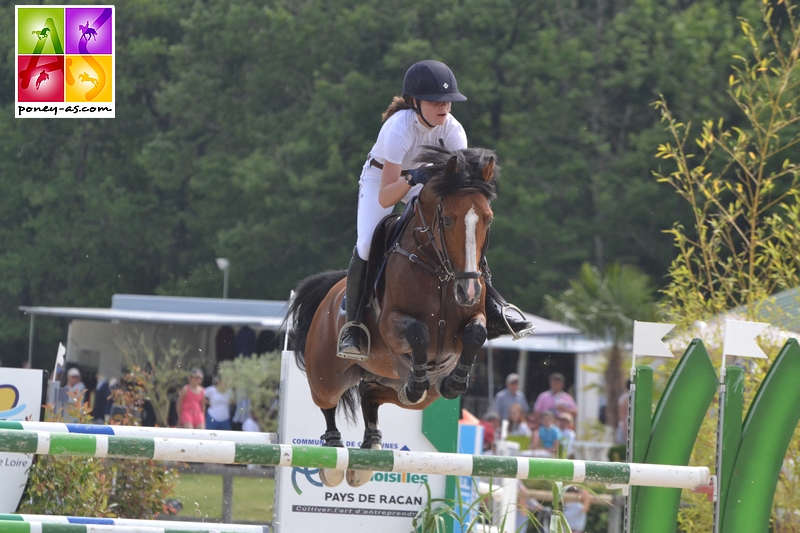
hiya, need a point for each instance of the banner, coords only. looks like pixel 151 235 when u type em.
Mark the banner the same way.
pixel 385 504
pixel 20 399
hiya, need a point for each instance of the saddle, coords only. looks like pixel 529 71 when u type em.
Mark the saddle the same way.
pixel 388 232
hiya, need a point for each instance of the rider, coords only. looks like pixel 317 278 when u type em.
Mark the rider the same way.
pixel 421 116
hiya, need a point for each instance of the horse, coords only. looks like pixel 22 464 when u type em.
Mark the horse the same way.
pixel 84 77
pixel 87 31
pixel 427 323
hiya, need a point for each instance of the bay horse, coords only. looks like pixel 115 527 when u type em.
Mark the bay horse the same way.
pixel 427 324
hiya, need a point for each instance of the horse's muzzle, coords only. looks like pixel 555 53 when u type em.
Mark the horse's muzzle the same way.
pixel 467 291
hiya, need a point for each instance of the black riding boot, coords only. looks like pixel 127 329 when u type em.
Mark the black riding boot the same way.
pixel 498 323
pixel 350 337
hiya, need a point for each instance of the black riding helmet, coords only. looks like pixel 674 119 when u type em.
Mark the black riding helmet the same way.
pixel 432 81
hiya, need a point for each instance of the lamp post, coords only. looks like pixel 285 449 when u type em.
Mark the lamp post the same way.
pixel 224 265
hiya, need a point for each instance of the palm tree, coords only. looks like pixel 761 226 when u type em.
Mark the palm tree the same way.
pixel 605 306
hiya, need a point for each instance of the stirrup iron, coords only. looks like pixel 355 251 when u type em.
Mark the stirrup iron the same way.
pixel 516 334
pixel 360 356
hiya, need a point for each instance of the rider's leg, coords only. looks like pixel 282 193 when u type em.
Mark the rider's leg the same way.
pixel 498 322
pixel 370 213
pixel 350 345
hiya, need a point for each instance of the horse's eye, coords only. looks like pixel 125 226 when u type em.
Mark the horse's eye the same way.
pixel 447 221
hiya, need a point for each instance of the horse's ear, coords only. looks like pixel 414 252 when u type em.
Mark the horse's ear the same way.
pixel 488 170
pixel 452 166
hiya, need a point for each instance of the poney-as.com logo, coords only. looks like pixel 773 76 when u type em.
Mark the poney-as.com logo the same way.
pixel 65 61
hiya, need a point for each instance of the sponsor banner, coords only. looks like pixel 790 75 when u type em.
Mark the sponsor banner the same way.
pixel 387 503
pixel 20 399
pixel 64 62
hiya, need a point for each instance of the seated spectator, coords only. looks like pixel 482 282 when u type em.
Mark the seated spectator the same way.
pixel 517 427
pixel 548 435
pixel 491 426
pixel 509 396
pixel 568 436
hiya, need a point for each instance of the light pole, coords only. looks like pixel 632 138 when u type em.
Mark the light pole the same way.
pixel 224 265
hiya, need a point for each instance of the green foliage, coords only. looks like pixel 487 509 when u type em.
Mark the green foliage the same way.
pixel 740 179
pixel 167 367
pixel 258 379
pixel 93 487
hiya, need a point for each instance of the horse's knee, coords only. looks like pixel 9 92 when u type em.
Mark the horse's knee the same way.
pixel 417 335
pixel 474 334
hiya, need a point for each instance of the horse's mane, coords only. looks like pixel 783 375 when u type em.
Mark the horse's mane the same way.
pixel 468 176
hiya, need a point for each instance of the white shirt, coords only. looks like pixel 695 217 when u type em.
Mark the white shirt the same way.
pixel 402 137
pixel 250 425
pixel 218 404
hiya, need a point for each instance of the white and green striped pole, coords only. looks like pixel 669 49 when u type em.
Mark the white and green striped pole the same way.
pixel 450 464
pixel 14 526
pixel 129 522
pixel 142 431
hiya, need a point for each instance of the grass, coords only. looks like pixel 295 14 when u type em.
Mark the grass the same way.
pixel 201 496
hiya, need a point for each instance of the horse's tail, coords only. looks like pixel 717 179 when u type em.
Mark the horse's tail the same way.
pixel 307 298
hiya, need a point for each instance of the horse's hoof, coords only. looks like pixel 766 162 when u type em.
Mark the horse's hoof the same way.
pixel 331 477
pixel 357 478
pixel 407 397
pixel 450 389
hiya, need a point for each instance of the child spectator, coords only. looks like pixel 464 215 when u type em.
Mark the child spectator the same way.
pixel 568 436
pixel 548 435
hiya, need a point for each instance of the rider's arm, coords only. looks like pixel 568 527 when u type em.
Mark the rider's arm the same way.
pixel 393 186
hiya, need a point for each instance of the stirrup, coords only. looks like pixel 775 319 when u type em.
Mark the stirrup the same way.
pixel 355 357
pixel 516 334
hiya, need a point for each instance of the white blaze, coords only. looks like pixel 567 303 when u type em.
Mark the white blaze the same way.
pixel 471 222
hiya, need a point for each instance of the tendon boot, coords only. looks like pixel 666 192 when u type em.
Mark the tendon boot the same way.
pixel 350 334
pixel 498 322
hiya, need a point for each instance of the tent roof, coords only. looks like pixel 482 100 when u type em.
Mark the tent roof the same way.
pixel 549 336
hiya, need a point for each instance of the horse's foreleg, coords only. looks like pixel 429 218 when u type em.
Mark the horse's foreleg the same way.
pixel 455 383
pixel 331 477
pixel 418 338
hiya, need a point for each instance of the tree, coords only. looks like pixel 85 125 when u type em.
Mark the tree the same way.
pixel 741 180
pixel 604 305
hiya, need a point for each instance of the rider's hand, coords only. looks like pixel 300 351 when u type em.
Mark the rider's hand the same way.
pixel 417 175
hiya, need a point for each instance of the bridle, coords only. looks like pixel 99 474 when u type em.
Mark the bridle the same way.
pixel 437 263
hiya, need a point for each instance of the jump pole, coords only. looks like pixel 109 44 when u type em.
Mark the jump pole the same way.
pixel 196 527
pixel 450 464
pixel 141 431
pixel 16 526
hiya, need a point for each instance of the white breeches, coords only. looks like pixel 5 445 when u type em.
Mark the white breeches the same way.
pixel 370 212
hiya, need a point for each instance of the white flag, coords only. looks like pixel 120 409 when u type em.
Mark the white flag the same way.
pixel 740 338
pixel 59 360
pixel 647 339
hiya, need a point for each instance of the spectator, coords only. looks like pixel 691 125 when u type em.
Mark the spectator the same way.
pixel 508 397
pixel 191 402
pixel 517 427
pixel 556 399
pixel 219 400
pixel 491 425
pixel 251 423
pixel 575 511
pixel 102 403
pixel 568 436
pixel 548 435
pixel 621 436
pixel 75 386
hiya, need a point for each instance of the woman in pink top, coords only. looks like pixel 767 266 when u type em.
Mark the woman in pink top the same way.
pixel 191 402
